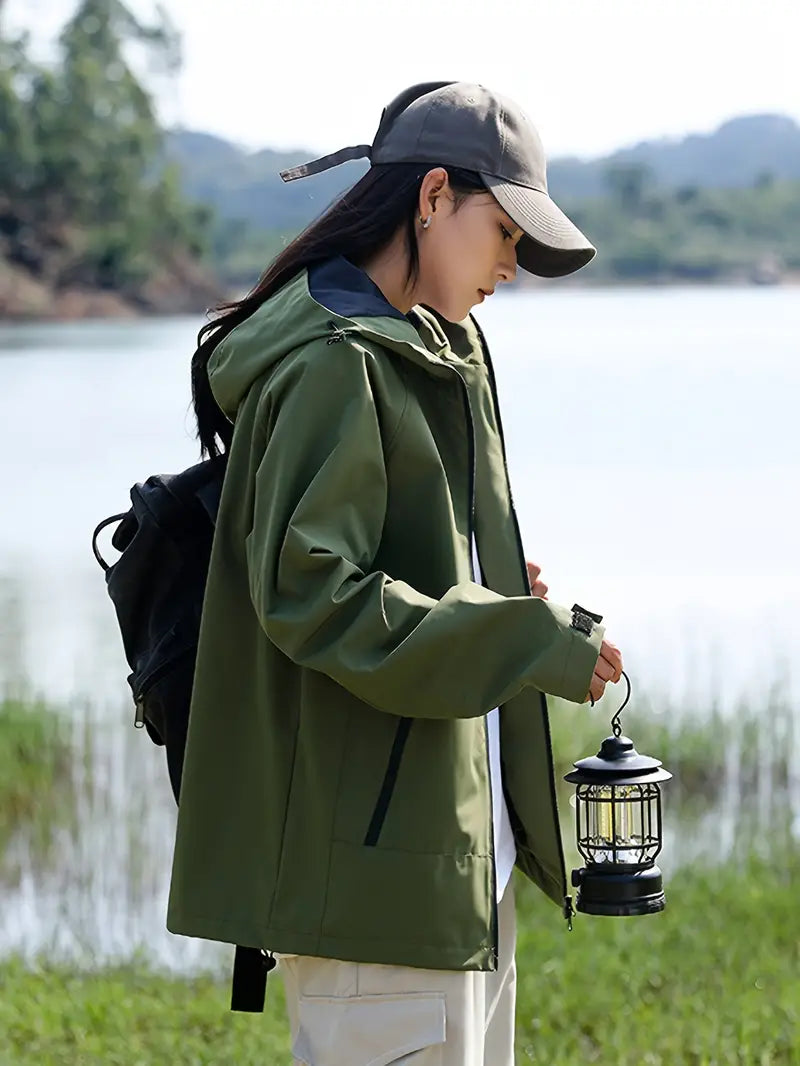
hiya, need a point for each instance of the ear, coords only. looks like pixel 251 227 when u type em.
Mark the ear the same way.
pixel 434 184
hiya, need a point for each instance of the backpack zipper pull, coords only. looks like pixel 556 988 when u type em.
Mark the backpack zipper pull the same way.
pixel 568 910
pixel 138 718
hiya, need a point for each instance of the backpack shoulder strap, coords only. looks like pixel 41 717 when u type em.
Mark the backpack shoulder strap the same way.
pixel 174 499
pixel 249 985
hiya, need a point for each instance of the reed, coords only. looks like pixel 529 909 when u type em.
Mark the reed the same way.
pixel 35 757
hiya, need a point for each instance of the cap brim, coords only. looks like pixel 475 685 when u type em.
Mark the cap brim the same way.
pixel 552 246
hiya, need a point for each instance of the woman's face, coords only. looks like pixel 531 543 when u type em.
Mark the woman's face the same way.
pixel 462 252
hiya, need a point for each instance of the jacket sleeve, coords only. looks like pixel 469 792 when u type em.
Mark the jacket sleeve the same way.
pixel 319 507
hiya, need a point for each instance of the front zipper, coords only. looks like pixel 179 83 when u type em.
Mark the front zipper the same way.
pixel 567 906
pixel 470 533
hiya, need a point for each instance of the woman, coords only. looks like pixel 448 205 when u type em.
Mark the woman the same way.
pixel 369 754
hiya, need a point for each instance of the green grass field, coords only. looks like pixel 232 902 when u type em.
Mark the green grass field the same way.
pixel 712 981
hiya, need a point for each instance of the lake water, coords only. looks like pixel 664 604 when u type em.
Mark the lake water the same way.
pixel 654 449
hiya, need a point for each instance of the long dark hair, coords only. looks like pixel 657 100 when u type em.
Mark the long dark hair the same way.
pixel 360 223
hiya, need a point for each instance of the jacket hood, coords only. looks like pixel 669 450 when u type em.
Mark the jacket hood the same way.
pixel 334 300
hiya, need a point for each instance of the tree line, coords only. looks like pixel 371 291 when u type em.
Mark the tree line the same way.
pixel 85 198
pixel 646 231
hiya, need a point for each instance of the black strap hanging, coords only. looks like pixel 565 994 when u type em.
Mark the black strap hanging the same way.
pixel 249 985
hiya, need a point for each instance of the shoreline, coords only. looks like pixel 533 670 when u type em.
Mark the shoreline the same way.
pixel 182 286
pixel 81 305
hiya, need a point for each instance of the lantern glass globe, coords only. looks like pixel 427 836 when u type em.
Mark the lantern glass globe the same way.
pixel 620 823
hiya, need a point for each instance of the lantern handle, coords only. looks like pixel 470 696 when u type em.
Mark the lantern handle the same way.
pixel 615 723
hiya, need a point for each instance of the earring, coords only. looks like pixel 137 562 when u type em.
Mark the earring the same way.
pixel 427 221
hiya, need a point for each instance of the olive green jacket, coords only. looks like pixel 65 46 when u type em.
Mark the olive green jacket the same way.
pixel 336 794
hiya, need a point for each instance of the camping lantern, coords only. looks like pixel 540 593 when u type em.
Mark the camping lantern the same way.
pixel 618 823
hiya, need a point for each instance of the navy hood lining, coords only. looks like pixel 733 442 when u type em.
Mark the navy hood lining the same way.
pixel 348 291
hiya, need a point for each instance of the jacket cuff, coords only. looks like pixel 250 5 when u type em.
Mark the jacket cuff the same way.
pixel 581 656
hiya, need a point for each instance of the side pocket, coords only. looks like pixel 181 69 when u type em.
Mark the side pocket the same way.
pixel 389 781
pixel 371 1030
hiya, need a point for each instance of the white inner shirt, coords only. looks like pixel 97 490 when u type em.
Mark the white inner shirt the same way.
pixel 505 851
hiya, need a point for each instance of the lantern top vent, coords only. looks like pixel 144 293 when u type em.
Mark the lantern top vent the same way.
pixel 618 761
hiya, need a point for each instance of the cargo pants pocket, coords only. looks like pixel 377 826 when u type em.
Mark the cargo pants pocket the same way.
pixel 406 1029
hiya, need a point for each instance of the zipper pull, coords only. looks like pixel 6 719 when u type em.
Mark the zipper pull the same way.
pixel 338 333
pixel 138 719
pixel 568 910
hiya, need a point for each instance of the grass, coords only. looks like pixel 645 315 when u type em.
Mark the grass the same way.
pixel 34 765
pixel 710 982
pixel 51 1017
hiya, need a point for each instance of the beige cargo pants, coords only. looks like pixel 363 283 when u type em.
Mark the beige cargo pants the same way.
pixel 360 1014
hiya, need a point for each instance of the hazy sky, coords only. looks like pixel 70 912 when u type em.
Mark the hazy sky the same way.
pixel 592 74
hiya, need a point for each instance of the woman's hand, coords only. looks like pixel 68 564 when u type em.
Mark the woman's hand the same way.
pixel 538 588
pixel 608 668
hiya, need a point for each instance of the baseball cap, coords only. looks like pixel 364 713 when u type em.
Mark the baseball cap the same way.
pixel 466 125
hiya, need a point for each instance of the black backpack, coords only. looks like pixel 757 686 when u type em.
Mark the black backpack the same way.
pixel 157 587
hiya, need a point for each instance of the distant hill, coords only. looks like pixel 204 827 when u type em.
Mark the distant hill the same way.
pixel 735 155
pixel 245 185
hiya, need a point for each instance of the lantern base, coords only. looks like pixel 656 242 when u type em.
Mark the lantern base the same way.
pixel 622 893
